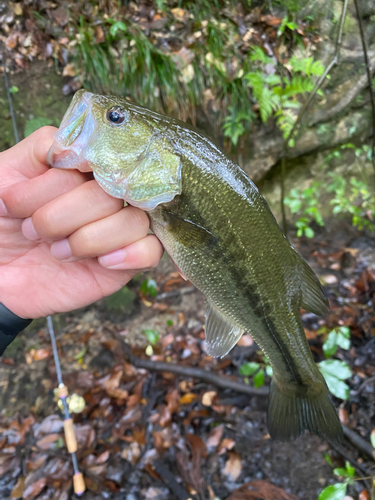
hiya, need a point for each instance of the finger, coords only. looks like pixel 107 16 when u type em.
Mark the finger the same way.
pixel 29 156
pixel 116 231
pixel 24 198
pixel 67 213
pixel 142 254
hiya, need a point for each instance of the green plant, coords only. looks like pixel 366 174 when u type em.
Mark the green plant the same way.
pixel 152 336
pixel 338 337
pixel 305 203
pixel 338 491
pixel 149 288
pixel 335 373
pixel 351 196
pixel 257 370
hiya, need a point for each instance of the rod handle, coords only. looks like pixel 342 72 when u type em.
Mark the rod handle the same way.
pixel 79 483
pixel 70 437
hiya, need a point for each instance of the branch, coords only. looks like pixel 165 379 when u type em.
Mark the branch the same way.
pixel 369 76
pixel 355 89
pixel 188 371
pixel 307 103
pixel 359 442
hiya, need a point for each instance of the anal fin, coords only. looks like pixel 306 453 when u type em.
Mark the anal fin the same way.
pixel 313 296
pixel 221 333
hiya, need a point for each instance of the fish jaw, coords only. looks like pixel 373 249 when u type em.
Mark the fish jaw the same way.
pixel 76 132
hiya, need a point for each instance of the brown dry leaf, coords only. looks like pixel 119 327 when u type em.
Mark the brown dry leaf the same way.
pixel 47 442
pixel 260 490
pixel 40 354
pixel 187 398
pixel 245 341
pixel 343 416
pixel 34 489
pixel 69 70
pixel 214 437
pixel 364 495
pixel 103 457
pixel 226 445
pixel 208 398
pixel 17 491
pixel 179 14
pixel 233 467
pixel 99 34
pixel 51 424
pixel 197 445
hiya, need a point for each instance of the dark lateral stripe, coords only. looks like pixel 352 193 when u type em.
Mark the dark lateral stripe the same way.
pixel 188 208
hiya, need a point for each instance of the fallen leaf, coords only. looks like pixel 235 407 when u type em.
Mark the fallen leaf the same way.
pixel 225 445
pixel 47 442
pixel 18 9
pixel 188 398
pixel 69 70
pixel 17 491
pixel 364 495
pixel 179 14
pixel 40 354
pixel 197 445
pixel 34 489
pixel 233 467
pixel 214 437
pixel 260 490
pixel 208 398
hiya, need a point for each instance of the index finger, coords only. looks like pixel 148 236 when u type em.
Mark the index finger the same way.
pixel 28 157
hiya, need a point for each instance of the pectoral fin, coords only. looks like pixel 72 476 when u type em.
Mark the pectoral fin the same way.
pixel 187 232
pixel 221 333
pixel 313 296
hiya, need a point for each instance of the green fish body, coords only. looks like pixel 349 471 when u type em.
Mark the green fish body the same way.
pixel 220 233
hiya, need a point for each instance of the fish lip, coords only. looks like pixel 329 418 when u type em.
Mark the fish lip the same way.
pixel 71 139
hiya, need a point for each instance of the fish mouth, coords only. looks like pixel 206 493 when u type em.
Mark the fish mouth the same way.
pixel 73 136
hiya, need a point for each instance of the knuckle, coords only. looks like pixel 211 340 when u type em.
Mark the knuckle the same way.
pixel 45 223
pixel 85 242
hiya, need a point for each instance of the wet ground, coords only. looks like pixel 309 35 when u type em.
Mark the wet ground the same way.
pixel 208 441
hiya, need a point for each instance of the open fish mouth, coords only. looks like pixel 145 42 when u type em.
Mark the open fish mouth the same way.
pixel 74 134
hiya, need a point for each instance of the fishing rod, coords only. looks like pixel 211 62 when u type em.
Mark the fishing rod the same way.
pixel 70 437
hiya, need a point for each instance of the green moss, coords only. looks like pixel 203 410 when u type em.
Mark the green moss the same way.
pixel 121 301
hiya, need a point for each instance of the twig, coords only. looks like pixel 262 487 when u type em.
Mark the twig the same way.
pixel 176 293
pixel 368 71
pixel 188 371
pixel 10 101
pixel 168 478
pixel 359 442
pixel 340 449
pixel 307 103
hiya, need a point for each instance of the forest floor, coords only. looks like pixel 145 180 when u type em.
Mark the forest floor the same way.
pixel 157 435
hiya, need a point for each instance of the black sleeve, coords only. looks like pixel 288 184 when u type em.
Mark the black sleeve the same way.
pixel 10 326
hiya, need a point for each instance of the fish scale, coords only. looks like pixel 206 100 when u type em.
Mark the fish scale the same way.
pixel 221 234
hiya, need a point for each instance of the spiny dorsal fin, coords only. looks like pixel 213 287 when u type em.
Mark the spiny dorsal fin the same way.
pixel 221 333
pixel 313 296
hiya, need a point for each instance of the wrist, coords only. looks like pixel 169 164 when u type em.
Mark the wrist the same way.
pixel 10 326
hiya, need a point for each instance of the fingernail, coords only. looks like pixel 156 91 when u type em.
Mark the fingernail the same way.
pixel 28 230
pixel 112 259
pixel 61 250
pixel 3 208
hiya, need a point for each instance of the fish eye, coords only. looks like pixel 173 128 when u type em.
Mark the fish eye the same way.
pixel 116 115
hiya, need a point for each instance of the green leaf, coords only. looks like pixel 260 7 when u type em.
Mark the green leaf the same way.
pixel 14 89
pixel 337 368
pixel 338 388
pixel 330 345
pixel 334 492
pixel 36 123
pixel 309 232
pixel 249 368
pixel 152 336
pixel 269 371
pixel 259 379
pixel 149 287
pixel 119 26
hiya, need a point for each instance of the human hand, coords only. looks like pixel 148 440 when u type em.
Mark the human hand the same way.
pixel 64 242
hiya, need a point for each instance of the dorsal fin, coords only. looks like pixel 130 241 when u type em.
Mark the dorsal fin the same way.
pixel 221 333
pixel 313 297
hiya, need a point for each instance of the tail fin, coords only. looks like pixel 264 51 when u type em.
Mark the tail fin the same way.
pixel 290 413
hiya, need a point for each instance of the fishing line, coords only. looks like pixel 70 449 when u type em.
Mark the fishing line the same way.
pixel 70 437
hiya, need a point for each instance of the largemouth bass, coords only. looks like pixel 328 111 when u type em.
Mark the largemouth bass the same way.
pixel 220 233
